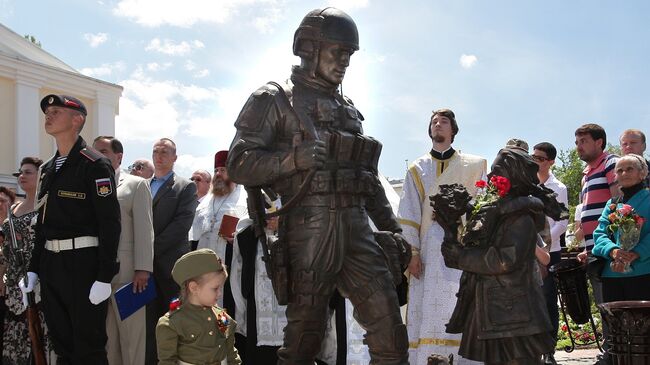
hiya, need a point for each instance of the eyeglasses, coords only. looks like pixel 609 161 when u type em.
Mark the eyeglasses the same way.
pixel 136 167
pixel 196 179
pixel 539 158
pixel 24 172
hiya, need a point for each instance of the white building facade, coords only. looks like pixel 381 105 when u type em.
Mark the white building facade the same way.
pixel 27 74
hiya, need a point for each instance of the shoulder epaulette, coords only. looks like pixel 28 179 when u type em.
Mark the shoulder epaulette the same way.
pixel 91 154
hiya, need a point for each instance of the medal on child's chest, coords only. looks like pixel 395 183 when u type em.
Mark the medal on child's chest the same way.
pixel 222 322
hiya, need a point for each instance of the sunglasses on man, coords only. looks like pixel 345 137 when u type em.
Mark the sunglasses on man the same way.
pixel 136 167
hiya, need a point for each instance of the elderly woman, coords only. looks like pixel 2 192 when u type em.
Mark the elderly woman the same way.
pixel 631 171
pixel 500 310
pixel 17 345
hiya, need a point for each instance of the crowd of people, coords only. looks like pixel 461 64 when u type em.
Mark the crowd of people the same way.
pixel 163 216
pixel 87 232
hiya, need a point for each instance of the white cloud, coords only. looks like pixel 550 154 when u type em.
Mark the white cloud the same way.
pixel 186 164
pixel 169 47
pixel 106 69
pixel 265 24
pixel 202 73
pixel 190 65
pixel 347 5
pixel 155 66
pixel 468 61
pixel 94 40
pixel 150 109
pixel 153 13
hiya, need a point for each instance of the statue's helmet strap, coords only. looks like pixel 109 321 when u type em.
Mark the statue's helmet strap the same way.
pixel 329 24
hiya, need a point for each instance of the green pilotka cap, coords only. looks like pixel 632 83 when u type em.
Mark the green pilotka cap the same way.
pixel 196 263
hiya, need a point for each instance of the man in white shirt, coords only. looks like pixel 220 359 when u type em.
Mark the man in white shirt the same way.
pixel 544 154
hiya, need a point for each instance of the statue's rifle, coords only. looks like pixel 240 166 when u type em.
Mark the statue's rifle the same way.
pixel 33 319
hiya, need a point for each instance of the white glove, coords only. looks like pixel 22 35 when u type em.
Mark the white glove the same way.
pixel 25 301
pixel 99 292
pixel 32 279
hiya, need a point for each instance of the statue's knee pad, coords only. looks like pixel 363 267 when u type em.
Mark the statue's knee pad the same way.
pixel 388 340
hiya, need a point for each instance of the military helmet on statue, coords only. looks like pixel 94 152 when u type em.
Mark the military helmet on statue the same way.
pixel 329 24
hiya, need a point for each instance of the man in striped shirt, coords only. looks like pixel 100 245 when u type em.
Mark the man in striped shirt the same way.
pixel 598 186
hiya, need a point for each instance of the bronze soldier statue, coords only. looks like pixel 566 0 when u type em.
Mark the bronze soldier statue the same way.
pixel 304 140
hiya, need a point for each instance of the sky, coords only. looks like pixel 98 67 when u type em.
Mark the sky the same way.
pixel 534 70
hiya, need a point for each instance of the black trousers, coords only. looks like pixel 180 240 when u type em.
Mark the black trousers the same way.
pixel 550 294
pixel 77 328
pixel 631 288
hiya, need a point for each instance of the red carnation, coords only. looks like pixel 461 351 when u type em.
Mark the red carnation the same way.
pixel 480 184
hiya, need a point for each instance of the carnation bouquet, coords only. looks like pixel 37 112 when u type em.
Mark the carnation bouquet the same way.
pixel 483 217
pixel 490 192
pixel 625 225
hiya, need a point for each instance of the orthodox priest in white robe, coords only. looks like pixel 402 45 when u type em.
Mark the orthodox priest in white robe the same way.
pixel 432 285
pixel 226 198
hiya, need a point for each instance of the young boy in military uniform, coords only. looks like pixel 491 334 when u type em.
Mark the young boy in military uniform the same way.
pixel 196 330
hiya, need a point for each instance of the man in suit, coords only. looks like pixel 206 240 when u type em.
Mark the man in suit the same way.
pixel 126 338
pixel 174 203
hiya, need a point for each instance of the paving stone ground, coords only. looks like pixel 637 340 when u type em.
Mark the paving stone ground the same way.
pixel 577 357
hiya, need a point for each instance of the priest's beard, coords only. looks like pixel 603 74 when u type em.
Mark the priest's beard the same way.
pixel 439 138
pixel 221 187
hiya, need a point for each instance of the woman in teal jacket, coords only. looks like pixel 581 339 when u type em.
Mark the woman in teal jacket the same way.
pixel 631 171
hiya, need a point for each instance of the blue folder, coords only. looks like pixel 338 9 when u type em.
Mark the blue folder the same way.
pixel 129 302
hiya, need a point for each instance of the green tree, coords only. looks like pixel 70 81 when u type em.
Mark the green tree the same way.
pixel 33 39
pixel 568 169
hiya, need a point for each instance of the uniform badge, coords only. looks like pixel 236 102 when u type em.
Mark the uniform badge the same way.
pixel 104 187
pixel 222 322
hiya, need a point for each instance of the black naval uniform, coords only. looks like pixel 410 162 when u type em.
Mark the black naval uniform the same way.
pixel 78 200
pixel 330 243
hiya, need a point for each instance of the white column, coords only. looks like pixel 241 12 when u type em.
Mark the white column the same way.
pixel 105 109
pixel 27 117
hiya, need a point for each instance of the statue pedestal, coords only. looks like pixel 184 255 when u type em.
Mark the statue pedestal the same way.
pixel 629 331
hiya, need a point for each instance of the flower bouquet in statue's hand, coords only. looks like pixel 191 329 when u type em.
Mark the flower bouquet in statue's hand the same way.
pixel 449 205
pixel 483 218
pixel 625 227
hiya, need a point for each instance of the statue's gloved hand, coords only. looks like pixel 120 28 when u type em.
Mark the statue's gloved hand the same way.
pixel 99 292
pixel 451 252
pixel 404 247
pixel 310 155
